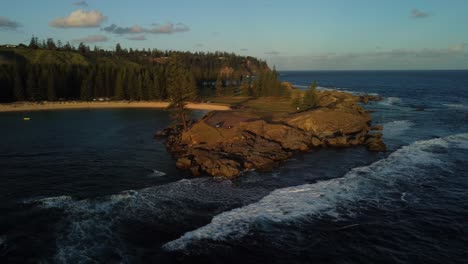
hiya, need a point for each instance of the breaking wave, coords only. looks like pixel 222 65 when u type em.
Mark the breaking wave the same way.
pixel 399 173
pixel 91 229
pixel 391 101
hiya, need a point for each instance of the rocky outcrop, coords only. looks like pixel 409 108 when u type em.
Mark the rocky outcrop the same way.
pixel 227 143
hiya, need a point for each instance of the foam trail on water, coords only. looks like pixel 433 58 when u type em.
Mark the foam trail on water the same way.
pixel 459 106
pixel 89 228
pixel 375 182
pixel 396 128
pixel 51 202
pixel 391 101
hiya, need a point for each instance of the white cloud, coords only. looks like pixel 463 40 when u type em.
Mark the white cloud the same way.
pixel 168 28
pixel 91 39
pixel 458 48
pixel 124 30
pixel 415 13
pixel 450 57
pixel 6 23
pixel 272 52
pixel 79 19
pixel 80 3
pixel 141 37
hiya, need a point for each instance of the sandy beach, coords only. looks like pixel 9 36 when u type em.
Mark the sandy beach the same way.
pixel 30 106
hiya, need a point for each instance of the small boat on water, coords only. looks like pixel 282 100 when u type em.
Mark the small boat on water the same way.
pixel 26 118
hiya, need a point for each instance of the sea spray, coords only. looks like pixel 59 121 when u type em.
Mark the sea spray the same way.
pixel 323 198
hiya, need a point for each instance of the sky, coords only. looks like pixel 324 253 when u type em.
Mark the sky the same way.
pixel 291 35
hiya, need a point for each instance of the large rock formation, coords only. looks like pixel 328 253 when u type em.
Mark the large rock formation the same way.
pixel 227 143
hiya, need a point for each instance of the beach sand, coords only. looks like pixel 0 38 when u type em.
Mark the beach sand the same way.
pixel 31 106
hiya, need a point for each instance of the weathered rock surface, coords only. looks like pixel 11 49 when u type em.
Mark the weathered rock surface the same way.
pixel 227 143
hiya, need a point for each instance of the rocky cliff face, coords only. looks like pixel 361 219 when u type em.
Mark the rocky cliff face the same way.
pixel 227 143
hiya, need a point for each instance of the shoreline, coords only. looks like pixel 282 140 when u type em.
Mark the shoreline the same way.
pixel 225 144
pixel 66 105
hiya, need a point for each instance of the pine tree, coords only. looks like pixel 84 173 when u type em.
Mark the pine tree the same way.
pixel 310 99
pixel 120 82
pixel 219 86
pixel 31 86
pixel 118 49
pixel 147 86
pixel 51 44
pixel 34 44
pixel 18 88
pixel 297 102
pixel 139 87
pixel 181 87
pixel 85 91
pixel 51 87
pixel 67 47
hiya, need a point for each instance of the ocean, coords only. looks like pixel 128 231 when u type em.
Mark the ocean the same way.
pixel 93 186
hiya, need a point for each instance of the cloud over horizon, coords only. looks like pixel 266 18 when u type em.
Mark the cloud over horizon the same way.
pixel 416 13
pixel 168 28
pixel 140 38
pixel 80 3
pixel 79 19
pixel 393 58
pixel 91 39
pixel 6 23
pixel 273 52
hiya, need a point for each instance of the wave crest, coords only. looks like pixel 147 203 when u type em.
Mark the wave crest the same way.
pixel 323 198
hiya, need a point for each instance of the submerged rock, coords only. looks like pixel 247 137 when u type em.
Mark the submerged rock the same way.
pixel 229 142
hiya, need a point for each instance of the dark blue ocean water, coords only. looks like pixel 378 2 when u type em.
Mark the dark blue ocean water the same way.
pixel 86 186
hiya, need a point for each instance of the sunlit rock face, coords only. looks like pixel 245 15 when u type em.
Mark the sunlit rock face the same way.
pixel 226 143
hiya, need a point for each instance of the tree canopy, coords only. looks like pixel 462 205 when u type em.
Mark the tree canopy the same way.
pixel 50 70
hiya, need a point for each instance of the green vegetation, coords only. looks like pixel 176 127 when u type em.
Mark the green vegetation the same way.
pixel 49 71
pixel 308 100
pixel 181 88
pixel 45 71
pixel 270 106
pixel 267 84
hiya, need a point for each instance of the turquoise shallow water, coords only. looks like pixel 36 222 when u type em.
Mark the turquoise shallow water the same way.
pixel 94 186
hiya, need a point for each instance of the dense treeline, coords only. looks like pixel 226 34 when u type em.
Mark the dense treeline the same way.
pixel 37 82
pixel 50 71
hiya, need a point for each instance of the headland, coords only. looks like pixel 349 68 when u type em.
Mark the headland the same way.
pixel 251 136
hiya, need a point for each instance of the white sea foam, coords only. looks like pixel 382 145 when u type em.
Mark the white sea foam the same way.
pixel 324 88
pixel 323 198
pixel 51 202
pixel 391 101
pixel 156 174
pixel 90 227
pixel 459 106
pixel 396 128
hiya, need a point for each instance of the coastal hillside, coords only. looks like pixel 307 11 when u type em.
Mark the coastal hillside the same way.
pixel 51 72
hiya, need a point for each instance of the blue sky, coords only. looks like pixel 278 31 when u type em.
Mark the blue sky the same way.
pixel 295 34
